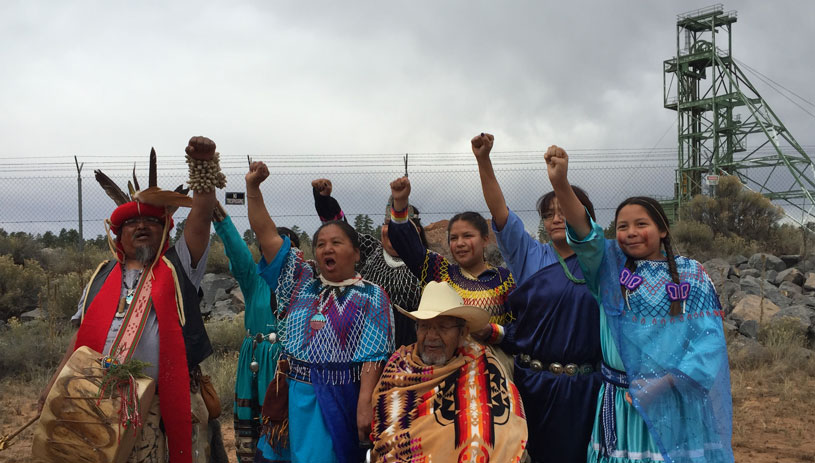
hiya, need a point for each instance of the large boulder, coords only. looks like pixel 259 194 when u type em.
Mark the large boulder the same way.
pixel 803 299
pixel 753 307
pixel 737 260
pixel 726 291
pixel 212 282
pixel 800 313
pixel 747 351
pixel 749 328
pixel 792 275
pixel 749 272
pixel 718 271
pixel 809 281
pixel 31 315
pixel 764 262
pixel 760 287
pixel 223 311
pixel 791 260
pixel 807 265
pixel 735 298
pixel 789 289
pixel 238 301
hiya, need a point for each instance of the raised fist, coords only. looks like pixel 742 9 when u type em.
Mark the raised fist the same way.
pixel 258 172
pixel 482 145
pixel 557 164
pixel 201 148
pixel 400 189
pixel 323 186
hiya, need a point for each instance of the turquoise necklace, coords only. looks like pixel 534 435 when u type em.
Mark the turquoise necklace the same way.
pixel 569 275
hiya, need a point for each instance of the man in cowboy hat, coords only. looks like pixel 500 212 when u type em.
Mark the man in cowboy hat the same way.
pixel 446 397
pixel 144 304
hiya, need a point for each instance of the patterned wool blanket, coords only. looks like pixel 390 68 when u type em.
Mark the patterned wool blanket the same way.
pixel 465 411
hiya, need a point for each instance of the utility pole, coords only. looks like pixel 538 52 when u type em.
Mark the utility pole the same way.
pixel 79 200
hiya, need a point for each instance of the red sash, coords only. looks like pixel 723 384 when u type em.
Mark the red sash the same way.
pixel 174 376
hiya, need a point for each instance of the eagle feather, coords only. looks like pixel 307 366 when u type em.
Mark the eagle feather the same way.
pixel 116 194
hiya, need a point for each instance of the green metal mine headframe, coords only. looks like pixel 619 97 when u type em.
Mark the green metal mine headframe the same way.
pixel 725 127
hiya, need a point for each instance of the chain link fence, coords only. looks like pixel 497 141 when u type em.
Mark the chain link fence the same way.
pixel 37 197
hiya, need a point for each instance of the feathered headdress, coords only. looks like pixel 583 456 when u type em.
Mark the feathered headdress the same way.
pixel 153 202
pixel 152 195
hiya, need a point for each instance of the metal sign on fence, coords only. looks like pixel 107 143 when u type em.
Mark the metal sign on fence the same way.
pixel 235 197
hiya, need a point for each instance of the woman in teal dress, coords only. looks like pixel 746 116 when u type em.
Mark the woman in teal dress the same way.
pixel 260 349
pixel 666 392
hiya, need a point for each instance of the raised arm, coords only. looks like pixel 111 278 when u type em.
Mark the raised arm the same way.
pixel 557 164
pixel 241 263
pixel 327 206
pixel 482 145
pixel 400 192
pixel 196 229
pixel 401 232
pixel 259 219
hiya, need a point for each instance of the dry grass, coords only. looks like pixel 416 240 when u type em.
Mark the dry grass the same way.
pixel 772 398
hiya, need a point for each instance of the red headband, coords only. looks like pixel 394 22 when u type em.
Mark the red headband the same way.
pixel 136 209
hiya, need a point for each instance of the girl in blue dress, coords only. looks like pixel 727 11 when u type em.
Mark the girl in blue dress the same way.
pixel 666 391
pixel 555 334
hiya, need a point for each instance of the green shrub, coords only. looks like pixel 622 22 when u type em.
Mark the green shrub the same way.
pixel 33 349
pixel 786 239
pixel 226 338
pixel 20 286
pixel 70 259
pixel 217 261
pixel 63 293
pixel 692 238
pixel 226 335
pixel 726 246
pixel 734 210
pixel 783 338
pixel 20 246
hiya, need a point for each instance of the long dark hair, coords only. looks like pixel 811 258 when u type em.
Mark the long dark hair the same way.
pixel 348 230
pixel 473 218
pixel 284 231
pixel 545 202
pixel 657 214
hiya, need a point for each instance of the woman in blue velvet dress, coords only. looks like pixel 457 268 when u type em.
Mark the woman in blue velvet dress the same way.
pixel 555 334
pixel 666 378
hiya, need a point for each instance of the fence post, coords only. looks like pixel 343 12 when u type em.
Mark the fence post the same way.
pixel 79 200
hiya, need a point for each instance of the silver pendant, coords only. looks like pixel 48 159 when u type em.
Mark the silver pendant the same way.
pixel 254 366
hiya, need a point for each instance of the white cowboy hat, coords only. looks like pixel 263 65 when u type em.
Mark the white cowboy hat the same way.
pixel 441 299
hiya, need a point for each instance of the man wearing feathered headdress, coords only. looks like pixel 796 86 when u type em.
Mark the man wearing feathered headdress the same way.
pixel 153 291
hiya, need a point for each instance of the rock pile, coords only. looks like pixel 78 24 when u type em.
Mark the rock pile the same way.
pixel 764 289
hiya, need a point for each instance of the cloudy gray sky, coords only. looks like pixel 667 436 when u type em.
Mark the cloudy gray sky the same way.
pixel 334 78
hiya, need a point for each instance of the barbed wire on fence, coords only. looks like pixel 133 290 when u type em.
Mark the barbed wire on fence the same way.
pixel 35 199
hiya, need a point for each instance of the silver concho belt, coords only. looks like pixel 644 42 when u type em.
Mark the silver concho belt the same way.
pixel 569 369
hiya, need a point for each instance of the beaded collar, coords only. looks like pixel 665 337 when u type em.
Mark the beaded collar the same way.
pixel 676 292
